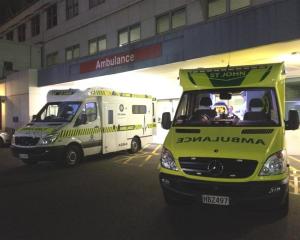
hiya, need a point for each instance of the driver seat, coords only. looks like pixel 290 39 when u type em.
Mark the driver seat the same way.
pixel 205 103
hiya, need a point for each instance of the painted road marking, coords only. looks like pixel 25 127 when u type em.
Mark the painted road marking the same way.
pixel 154 153
pixel 295 159
pixel 156 149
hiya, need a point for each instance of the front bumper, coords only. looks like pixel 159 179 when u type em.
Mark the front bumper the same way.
pixel 267 193
pixel 39 153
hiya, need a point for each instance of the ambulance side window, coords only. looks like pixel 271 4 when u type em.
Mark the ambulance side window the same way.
pixel 110 117
pixel 90 109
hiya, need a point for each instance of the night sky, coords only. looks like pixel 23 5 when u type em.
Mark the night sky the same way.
pixel 8 8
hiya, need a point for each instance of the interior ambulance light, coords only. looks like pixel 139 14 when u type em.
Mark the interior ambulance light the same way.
pixel 167 160
pixel 276 164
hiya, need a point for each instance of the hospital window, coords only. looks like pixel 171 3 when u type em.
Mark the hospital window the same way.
pixel 10 36
pixel 129 34
pixel 97 45
pixel 51 59
pixel 90 109
pixel 72 52
pixel 94 3
pixel 72 7
pixel 35 25
pixel 22 33
pixel 171 20
pixel 219 7
pixel 51 16
pixel 139 109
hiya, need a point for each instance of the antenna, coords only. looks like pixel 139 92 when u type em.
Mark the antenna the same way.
pixel 228 65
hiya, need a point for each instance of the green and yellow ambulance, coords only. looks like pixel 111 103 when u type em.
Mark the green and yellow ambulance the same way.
pixel 226 143
pixel 75 123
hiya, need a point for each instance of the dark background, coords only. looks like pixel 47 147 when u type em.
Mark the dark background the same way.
pixel 9 8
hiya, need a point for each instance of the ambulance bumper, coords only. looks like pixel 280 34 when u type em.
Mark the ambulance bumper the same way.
pixel 38 153
pixel 262 194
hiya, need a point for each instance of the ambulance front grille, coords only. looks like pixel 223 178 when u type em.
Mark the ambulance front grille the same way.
pixel 26 141
pixel 218 167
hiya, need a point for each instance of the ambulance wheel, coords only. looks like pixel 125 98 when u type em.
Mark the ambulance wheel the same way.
pixel 283 209
pixel 73 156
pixel 135 145
pixel 29 162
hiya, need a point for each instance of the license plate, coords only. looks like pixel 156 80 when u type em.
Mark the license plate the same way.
pixel 215 200
pixel 23 156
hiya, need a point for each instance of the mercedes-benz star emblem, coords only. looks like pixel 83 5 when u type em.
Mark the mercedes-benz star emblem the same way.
pixel 215 168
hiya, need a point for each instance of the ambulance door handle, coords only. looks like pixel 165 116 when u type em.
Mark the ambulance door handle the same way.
pixel 97 127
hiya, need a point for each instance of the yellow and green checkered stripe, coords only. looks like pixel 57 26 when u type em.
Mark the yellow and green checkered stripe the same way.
pixel 66 133
pixel 28 129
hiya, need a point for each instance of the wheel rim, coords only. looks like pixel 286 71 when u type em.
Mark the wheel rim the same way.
pixel 134 146
pixel 72 157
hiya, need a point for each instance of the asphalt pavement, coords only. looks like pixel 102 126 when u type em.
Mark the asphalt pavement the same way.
pixel 118 197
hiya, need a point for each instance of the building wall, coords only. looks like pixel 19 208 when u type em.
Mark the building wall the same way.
pixel 22 56
pixel 104 19
pixel 21 101
pixel 240 30
pixel 3 108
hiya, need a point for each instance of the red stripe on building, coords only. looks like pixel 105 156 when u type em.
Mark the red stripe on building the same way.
pixel 139 54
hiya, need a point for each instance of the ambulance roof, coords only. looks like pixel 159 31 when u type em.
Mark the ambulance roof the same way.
pixel 266 75
pixel 80 95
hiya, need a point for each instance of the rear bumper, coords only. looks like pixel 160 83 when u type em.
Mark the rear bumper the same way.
pixel 269 193
pixel 39 153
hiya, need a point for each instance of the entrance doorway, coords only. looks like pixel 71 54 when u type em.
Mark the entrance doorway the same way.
pixel 165 105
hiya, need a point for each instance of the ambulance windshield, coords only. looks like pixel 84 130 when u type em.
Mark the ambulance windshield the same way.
pixel 58 112
pixel 228 107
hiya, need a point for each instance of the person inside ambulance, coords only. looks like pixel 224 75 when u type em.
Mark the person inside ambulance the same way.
pixel 221 110
pixel 256 111
pixel 204 113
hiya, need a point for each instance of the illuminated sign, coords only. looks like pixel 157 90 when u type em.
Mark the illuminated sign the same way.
pixel 139 54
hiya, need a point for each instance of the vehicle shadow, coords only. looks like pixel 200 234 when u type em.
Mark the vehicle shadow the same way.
pixel 194 221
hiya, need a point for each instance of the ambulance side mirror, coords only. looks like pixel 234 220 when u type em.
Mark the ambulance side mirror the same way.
pixel 166 120
pixel 293 122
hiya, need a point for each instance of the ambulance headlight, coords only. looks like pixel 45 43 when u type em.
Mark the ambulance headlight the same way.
pixel 167 160
pixel 51 138
pixel 276 164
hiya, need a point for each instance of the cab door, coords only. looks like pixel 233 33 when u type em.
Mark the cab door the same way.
pixel 110 143
pixel 89 133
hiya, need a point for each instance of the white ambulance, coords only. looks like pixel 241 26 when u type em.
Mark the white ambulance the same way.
pixel 74 124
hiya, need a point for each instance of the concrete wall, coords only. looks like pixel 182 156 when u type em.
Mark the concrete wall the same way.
pixel 104 19
pixel 21 98
pixel 22 56
pixel 3 107
pixel 244 29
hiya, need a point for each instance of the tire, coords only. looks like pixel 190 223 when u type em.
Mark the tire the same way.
pixel 283 210
pixel 1 143
pixel 29 162
pixel 73 156
pixel 135 145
